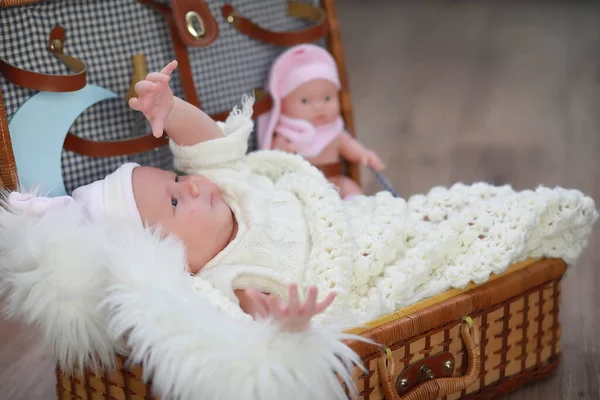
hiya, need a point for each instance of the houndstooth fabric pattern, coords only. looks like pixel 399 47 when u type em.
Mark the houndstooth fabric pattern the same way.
pixel 106 35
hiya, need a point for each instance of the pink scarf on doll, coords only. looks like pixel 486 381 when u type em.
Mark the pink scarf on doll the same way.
pixel 310 140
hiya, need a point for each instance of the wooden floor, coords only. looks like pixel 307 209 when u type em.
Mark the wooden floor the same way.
pixel 500 91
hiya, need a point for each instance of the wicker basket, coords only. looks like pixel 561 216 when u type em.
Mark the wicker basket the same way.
pixel 428 349
pixel 477 342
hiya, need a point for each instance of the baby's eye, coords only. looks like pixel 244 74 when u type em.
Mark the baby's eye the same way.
pixel 327 98
pixel 304 100
pixel 173 202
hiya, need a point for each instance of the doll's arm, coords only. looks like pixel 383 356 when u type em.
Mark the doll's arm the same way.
pixel 279 142
pixel 352 150
pixel 185 124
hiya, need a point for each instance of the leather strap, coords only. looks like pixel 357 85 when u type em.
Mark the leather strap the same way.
pixel 14 3
pixel 333 169
pixel 296 9
pixel 113 148
pixel 196 24
pixel 49 82
pixel 147 142
pixel 183 60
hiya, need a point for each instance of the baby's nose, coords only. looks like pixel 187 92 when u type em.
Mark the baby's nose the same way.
pixel 194 192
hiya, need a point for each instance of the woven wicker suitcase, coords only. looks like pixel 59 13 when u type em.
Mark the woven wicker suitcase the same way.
pixel 477 343
pixel 473 343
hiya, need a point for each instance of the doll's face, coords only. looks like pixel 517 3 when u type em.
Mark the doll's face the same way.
pixel 315 101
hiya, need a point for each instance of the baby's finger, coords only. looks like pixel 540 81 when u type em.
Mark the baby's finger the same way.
pixel 135 103
pixel 325 303
pixel 311 301
pixel 169 68
pixel 275 308
pixel 261 308
pixel 253 293
pixel 293 295
pixel 143 87
pixel 263 299
pixel 157 127
pixel 157 77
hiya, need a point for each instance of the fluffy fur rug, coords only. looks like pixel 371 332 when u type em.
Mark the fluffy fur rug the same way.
pixel 96 289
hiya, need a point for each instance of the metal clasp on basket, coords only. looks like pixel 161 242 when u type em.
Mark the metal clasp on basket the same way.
pixel 433 374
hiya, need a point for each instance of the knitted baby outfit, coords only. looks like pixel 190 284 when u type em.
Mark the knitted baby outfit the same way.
pixel 378 252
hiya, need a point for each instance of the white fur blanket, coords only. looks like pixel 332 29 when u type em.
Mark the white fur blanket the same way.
pixel 96 289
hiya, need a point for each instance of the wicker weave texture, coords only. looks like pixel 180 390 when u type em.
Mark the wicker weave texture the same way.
pixel 518 335
pixel 519 342
pixel 8 169
pixel 125 383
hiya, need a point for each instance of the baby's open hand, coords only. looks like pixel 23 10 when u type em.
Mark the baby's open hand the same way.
pixel 292 317
pixel 155 99
pixel 371 159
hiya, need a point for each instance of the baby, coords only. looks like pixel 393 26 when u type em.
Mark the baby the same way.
pixel 222 210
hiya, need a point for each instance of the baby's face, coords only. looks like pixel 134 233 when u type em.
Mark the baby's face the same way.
pixel 189 207
pixel 315 101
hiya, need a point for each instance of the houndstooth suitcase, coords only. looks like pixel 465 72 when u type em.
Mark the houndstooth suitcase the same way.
pixel 472 343
pixel 111 44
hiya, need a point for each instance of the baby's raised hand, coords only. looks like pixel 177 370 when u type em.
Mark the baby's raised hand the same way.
pixel 155 98
pixel 292 317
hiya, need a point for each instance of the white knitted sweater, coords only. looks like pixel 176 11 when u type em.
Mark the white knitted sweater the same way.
pixel 379 253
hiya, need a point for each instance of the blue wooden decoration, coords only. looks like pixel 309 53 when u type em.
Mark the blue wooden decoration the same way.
pixel 38 130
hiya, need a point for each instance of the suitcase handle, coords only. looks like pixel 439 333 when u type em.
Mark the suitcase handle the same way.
pixel 436 388
pixel 296 9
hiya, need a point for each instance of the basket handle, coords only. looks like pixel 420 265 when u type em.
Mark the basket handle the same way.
pixel 296 9
pixel 437 388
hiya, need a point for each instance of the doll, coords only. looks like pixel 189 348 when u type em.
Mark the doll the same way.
pixel 305 118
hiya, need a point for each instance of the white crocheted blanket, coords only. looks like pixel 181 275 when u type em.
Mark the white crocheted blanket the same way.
pixel 385 253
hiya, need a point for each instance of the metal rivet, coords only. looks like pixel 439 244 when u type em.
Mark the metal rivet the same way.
pixel 404 383
pixel 56 45
pixel 195 24
pixel 230 19
pixel 448 366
